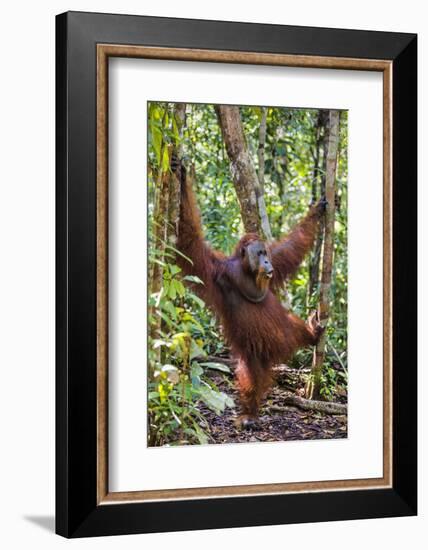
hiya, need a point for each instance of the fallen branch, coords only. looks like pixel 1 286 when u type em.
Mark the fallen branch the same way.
pixel 310 405
pixel 279 369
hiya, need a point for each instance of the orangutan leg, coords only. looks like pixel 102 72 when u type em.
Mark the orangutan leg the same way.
pixel 301 334
pixel 253 382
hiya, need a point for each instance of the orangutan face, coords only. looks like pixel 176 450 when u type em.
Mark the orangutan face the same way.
pixel 258 259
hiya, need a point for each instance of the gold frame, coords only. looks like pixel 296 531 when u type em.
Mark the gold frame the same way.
pixel 104 51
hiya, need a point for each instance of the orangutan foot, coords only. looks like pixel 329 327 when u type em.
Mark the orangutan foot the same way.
pixel 315 326
pixel 246 422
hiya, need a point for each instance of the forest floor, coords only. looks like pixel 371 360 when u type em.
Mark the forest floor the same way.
pixel 277 422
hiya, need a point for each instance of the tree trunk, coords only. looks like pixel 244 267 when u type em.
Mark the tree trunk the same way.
pixel 318 191
pixel 165 218
pixel 167 210
pixel 314 384
pixel 261 149
pixel 160 217
pixel 243 171
pixel 174 185
pixel 158 241
pixel 160 208
pixel 281 170
pixel 280 180
pixel 260 189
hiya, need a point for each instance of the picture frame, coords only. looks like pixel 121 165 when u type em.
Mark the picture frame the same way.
pixel 84 44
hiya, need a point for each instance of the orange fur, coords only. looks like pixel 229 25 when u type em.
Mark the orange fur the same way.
pixel 260 333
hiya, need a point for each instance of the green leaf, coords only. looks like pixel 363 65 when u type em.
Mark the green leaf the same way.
pixel 201 435
pixel 165 160
pixel 179 287
pixel 153 395
pixel 259 112
pixel 168 246
pixel 174 269
pixel 195 375
pixel 195 350
pixel 196 299
pixel 216 401
pixel 196 369
pixel 171 309
pixel 175 130
pixel 193 279
pixel 229 402
pixel 180 336
pixel 166 319
pixel 172 293
pixel 216 366
pixel 157 142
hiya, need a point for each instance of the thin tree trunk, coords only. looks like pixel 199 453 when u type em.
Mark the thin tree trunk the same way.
pixel 316 156
pixel 260 190
pixel 160 226
pixel 319 178
pixel 159 204
pixel 261 149
pixel 174 185
pixel 159 240
pixel 243 171
pixel 160 217
pixel 314 384
pixel 167 213
pixel 281 161
pixel 160 232
pixel 280 179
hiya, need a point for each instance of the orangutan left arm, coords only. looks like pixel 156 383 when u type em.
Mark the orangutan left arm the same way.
pixel 288 253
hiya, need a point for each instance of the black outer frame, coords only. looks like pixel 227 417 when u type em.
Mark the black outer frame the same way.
pixel 77 513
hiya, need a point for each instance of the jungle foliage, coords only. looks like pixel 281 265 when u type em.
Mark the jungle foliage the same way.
pixel 184 338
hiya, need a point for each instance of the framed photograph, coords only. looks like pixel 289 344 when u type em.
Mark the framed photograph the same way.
pixel 236 274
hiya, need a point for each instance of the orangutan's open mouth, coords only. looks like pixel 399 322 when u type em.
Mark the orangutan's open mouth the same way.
pixel 268 275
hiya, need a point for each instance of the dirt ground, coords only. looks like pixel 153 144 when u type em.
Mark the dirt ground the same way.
pixel 288 424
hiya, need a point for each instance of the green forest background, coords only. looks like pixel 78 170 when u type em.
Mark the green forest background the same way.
pixel 184 338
